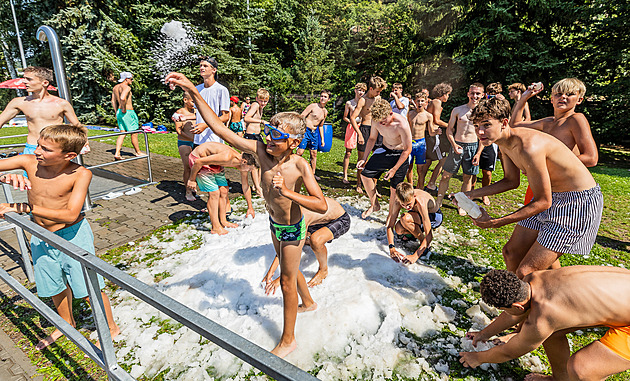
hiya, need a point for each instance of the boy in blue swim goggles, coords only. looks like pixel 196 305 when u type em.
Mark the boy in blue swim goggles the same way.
pixel 276 134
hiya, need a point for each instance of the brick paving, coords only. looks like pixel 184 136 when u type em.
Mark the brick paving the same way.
pixel 114 222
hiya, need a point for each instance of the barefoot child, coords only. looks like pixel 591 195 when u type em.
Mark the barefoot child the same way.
pixel 350 139
pixel 417 221
pixel 392 157
pixel 315 115
pixel 551 304
pixel 236 116
pixel 567 208
pixel 55 199
pixel 126 117
pixel 283 174
pixel 322 228
pixel 184 121
pixel 420 121
pixel 437 144
pixel 207 172
pixel 253 119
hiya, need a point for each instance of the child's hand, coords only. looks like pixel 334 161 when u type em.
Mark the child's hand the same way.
pixel 395 255
pixel 199 128
pixel 476 158
pixel 192 185
pixel 250 212
pixel 278 182
pixel 6 208
pixel 178 79
pixel 458 149
pixel 271 286
pixel 484 221
pixel 360 164
pixel 390 174
pixel 17 180
pixel 533 90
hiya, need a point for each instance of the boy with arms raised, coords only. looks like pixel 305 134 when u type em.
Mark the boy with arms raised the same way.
pixel 465 149
pixel 350 139
pixel 315 114
pixel 55 199
pixel 184 120
pixel 392 157
pixel 322 228
pixel 253 119
pixel 515 92
pixel 550 304
pixel 40 108
pixel 566 125
pixel 282 176
pixel 437 144
pixel 566 211
pixel 399 103
pixel 420 121
pixel 363 113
pixel 206 171
pixel 417 221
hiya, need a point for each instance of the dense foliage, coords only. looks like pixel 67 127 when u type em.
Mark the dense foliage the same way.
pixel 294 49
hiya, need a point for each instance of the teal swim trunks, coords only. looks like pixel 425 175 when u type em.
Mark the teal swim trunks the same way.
pixel 286 233
pixel 210 182
pixel 29 149
pixel 127 121
pixel 54 269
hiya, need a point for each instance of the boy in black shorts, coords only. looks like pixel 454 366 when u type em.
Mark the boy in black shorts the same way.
pixel 392 157
pixel 488 158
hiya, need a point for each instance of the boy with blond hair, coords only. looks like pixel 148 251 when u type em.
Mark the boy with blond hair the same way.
pixel 437 144
pixel 283 174
pixel 420 121
pixel 253 119
pixel 392 157
pixel 363 113
pixel 55 199
pixel 315 115
pixel 184 120
pixel 515 91
pixel 40 108
pixel 350 139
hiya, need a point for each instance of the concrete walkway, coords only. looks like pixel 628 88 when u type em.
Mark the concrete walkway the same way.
pixel 115 222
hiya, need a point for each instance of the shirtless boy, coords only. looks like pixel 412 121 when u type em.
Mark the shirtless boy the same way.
pixel 55 199
pixel 350 138
pixel 552 303
pixel 363 113
pixel 392 157
pixel 314 114
pixel 40 108
pixel 420 121
pixel 184 120
pixel 283 173
pixel 566 211
pixel 206 171
pixel 399 103
pixel 515 92
pixel 236 116
pixel 417 221
pixel 488 158
pixel 321 228
pixel 125 115
pixel 465 149
pixel 437 144
pixel 253 119
pixel 566 125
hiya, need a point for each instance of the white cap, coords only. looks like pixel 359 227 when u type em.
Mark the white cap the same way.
pixel 124 75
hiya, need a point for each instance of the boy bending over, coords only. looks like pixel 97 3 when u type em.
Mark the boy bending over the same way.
pixel 282 176
pixel 206 171
pixel 55 199
pixel 550 304
pixel 564 216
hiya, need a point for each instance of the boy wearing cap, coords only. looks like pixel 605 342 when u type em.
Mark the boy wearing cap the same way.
pixel 236 116
pixel 216 96
pixel 125 115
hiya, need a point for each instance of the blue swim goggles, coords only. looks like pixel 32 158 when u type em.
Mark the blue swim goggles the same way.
pixel 276 134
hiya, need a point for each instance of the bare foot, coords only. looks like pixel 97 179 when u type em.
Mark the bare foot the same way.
pixel 219 231
pixel 317 178
pixel 117 157
pixel 345 181
pixel 303 308
pixel 283 350
pixel 230 225
pixel 259 192
pixel 461 211
pixel 139 153
pixel 359 189
pixel 113 333
pixel 410 259
pixel 319 276
pixel 371 209
pixel 486 200
pixel 537 376
pixel 190 197
pixel 49 340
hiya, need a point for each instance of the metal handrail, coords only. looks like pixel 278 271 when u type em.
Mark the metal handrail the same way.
pixel 106 358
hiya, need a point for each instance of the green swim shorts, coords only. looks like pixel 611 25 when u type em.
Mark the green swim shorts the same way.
pixel 127 121
pixel 210 182
pixel 54 270
pixel 285 233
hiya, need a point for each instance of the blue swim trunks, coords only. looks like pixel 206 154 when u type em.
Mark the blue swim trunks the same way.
pixel 311 139
pixel 54 269
pixel 185 143
pixel 127 121
pixel 418 151
pixel 210 182
pixel 287 233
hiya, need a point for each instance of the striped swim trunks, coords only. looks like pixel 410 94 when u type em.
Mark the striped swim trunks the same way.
pixel 570 225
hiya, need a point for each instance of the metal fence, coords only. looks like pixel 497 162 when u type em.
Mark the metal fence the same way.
pixel 106 357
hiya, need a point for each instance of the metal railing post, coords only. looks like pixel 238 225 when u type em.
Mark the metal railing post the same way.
pixel 19 233
pixel 146 147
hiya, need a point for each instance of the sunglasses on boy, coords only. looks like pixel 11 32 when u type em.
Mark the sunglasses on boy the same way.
pixel 276 134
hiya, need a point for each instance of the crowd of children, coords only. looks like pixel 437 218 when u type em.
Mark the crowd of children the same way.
pixel 561 215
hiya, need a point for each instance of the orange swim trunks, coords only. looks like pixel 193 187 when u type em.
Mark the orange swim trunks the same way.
pixel 350 137
pixel 617 339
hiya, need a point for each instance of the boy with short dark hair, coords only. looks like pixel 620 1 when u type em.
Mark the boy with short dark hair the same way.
pixel 253 119
pixel 437 143
pixel 283 174
pixel 421 123
pixel 184 121
pixel 488 158
pixel 350 138
pixel 55 199
pixel 515 91
pixel 399 103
